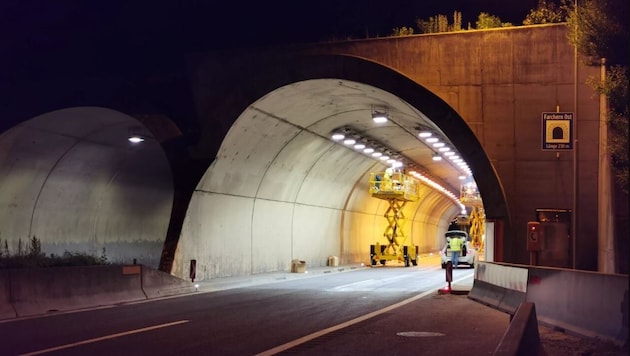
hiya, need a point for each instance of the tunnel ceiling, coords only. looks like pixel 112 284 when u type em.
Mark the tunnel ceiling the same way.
pixel 323 105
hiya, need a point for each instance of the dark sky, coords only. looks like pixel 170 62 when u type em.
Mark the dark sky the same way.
pixel 46 24
pixel 51 31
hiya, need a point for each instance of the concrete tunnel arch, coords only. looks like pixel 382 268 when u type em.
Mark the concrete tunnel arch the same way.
pixel 70 178
pixel 263 200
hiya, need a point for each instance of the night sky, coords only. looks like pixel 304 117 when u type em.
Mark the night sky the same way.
pixel 35 34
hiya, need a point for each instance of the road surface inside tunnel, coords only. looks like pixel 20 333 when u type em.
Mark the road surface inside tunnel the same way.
pixel 365 311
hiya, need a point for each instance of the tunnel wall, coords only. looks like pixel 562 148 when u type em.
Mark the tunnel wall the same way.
pixel 278 192
pixel 70 179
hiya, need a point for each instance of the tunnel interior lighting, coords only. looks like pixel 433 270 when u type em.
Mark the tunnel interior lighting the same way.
pixel 337 136
pixel 135 134
pixel 440 148
pixel 380 114
pixel 382 153
pixel 135 139
pixel 379 118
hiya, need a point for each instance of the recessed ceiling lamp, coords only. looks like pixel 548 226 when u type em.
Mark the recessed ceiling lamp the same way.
pixel 135 135
pixel 437 157
pixel 135 139
pixel 337 136
pixel 379 114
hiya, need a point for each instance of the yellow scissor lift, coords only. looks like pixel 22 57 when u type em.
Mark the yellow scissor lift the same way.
pixel 470 197
pixel 398 189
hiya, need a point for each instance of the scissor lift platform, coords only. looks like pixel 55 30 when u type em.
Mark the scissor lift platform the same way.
pixel 397 189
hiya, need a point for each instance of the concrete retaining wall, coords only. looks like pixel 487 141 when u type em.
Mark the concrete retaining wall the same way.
pixel 37 291
pixel 582 302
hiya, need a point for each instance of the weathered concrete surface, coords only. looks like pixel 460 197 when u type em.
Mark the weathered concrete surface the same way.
pixel 38 291
pixel 71 179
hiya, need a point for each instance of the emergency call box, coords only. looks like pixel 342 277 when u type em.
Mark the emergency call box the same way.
pixel 534 236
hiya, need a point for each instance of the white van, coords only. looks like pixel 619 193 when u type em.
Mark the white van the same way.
pixel 467 257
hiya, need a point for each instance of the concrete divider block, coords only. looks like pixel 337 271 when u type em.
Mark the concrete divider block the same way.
pixel 521 337
pixel 6 308
pixel 503 299
pixel 161 284
pixel 503 288
pixel 587 303
pixel 38 291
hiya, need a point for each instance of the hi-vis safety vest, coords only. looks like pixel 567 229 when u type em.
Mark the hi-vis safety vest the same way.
pixel 456 244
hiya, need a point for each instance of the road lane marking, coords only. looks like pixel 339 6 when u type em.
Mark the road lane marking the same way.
pixel 113 336
pixel 352 285
pixel 346 324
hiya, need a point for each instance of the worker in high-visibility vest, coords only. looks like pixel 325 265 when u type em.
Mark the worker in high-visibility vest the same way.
pixel 456 248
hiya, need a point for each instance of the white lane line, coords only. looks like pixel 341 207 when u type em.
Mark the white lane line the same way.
pixel 113 336
pixel 323 332
pixel 352 285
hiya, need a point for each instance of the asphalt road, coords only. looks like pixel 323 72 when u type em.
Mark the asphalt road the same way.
pixel 367 311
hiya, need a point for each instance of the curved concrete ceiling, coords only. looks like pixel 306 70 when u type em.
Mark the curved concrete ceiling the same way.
pixel 320 106
pixel 70 178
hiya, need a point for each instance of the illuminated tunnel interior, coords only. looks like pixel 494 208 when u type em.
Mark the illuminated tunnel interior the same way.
pixel 282 189
pixel 278 189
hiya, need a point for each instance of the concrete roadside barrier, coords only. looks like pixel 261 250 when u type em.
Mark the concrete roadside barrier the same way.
pixel 587 303
pixel 522 337
pixel 36 291
pixel 6 308
pixel 501 287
